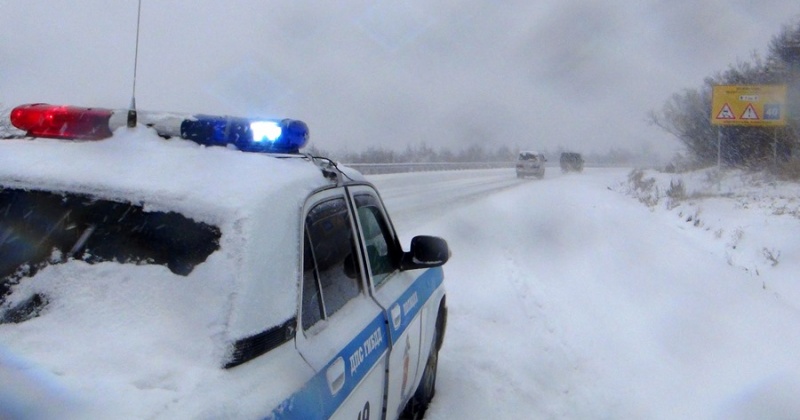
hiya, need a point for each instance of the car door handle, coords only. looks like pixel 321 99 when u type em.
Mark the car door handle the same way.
pixel 397 316
pixel 335 376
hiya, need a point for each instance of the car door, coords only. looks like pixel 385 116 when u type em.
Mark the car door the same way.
pixel 342 332
pixel 396 291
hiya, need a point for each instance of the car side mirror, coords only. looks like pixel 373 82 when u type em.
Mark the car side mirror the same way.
pixel 426 252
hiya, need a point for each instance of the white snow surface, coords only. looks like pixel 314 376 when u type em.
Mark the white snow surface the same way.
pixel 137 165
pixel 581 296
pixel 224 187
pixel 99 339
pixel 576 296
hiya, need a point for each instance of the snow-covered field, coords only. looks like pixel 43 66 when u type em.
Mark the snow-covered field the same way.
pixel 606 295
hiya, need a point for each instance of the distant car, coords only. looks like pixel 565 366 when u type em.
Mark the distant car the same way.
pixel 530 163
pixel 571 162
pixel 150 278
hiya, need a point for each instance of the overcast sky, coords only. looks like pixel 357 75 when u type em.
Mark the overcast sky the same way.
pixel 530 74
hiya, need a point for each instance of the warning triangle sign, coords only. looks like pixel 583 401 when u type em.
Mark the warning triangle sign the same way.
pixel 726 113
pixel 750 113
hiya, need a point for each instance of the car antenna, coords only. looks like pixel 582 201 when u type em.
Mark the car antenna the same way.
pixel 132 109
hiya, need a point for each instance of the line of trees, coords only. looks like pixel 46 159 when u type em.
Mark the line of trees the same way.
pixel 423 153
pixel 686 114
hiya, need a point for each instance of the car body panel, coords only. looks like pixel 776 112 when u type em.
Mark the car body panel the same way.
pixel 352 380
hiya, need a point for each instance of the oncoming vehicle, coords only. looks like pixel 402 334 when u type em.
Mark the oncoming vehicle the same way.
pixel 530 164
pixel 571 162
pixel 144 277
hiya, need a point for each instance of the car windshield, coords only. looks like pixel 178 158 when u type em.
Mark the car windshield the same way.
pixel 528 156
pixel 39 228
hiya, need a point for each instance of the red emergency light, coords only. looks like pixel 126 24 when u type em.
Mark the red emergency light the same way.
pixel 62 122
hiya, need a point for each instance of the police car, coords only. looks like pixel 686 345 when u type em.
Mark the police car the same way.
pixel 146 273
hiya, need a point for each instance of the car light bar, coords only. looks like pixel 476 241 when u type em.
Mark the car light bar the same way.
pixel 284 136
pixel 77 123
pixel 64 122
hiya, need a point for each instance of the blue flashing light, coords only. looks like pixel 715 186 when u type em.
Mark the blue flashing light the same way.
pixel 265 130
pixel 294 134
pixel 284 136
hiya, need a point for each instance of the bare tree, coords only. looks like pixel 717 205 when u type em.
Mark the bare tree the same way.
pixel 686 114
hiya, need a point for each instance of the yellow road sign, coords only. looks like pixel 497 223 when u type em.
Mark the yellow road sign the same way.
pixel 752 105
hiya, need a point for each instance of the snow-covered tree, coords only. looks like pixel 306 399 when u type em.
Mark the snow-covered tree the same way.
pixel 686 114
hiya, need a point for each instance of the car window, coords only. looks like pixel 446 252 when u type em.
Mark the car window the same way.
pixel 313 311
pixel 330 270
pixel 39 228
pixel 381 253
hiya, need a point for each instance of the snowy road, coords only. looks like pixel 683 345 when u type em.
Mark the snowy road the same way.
pixel 569 299
pixel 413 197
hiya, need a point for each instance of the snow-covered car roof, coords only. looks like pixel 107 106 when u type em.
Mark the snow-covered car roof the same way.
pixel 223 187
pixel 245 287
pixel 137 165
